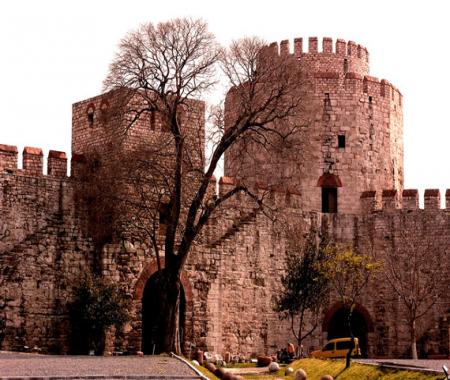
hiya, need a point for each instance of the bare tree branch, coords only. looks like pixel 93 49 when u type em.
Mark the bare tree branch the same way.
pixel 163 71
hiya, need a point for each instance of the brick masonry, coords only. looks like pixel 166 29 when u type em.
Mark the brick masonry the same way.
pixel 233 273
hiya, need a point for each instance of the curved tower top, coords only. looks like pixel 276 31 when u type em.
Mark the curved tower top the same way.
pixel 351 130
pixel 342 57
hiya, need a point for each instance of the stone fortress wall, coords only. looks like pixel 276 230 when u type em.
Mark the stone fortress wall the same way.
pixel 232 276
pixel 243 295
pixel 44 249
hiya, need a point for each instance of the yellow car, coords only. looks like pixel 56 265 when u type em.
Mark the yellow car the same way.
pixel 337 348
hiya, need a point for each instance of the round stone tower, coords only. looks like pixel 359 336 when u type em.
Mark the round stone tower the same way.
pixel 350 126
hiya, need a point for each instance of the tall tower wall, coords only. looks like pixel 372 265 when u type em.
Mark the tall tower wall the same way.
pixel 350 129
pixel 101 124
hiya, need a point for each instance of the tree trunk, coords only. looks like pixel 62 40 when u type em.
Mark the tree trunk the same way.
pixel 177 344
pixel 299 336
pixel 169 313
pixel 352 342
pixel 299 351
pixel 413 339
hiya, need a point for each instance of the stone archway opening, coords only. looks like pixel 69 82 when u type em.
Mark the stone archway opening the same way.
pixel 336 325
pixel 152 331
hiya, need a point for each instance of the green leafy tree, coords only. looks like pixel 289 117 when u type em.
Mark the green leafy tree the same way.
pixel 305 286
pixel 349 273
pixel 98 305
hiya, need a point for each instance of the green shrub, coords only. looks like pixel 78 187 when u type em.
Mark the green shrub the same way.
pixel 98 304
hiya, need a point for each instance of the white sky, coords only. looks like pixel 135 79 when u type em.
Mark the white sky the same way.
pixel 54 53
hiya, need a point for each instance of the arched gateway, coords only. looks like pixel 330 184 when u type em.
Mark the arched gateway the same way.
pixel 148 296
pixel 152 319
pixel 335 324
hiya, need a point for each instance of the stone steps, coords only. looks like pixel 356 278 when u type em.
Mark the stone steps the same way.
pixel 12 258
pixel 236 227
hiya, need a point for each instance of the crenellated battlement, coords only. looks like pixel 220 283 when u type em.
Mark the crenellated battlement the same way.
pixel 352 124
pixel 8 157
pixel 33 162
pixel 339 57
pixel 341 48
pixel 408 199
pixel 342 63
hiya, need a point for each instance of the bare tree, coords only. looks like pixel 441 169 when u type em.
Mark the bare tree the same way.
pixel 413 267
pixel 163 70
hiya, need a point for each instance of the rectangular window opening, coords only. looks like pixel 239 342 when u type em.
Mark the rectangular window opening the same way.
pixel 329 199
pixel 341 141
pixel 327 103
pixel 90 117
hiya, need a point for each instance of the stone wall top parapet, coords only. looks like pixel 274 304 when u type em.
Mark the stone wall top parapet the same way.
pixel 341 48
pixel 8 148
pixel 57 154
pixel 33 161
pixel 33 151
pixel 343 60
pixel 408 199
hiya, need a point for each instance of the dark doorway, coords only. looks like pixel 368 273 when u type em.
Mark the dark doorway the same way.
pixel 152 334
pixel 329 199
pixel 338 327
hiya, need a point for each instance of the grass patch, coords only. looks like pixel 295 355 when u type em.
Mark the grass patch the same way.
pixel 316 368
pixel 205 372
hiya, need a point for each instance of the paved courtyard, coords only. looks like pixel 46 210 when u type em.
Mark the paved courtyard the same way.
pixel 45 366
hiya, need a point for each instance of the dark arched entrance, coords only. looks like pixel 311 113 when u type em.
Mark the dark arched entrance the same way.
pixel 336 325
pixel 329 184
pixel 152 333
